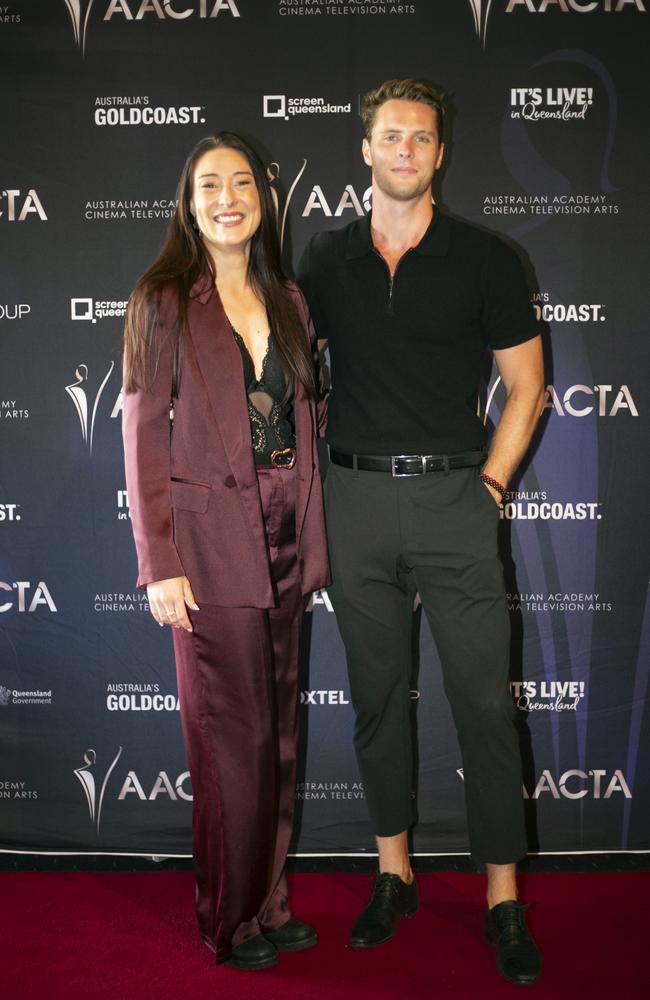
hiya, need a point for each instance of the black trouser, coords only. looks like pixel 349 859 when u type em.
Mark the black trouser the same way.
pixel 435 534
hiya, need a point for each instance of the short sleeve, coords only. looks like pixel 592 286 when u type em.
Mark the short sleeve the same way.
pixel 508 317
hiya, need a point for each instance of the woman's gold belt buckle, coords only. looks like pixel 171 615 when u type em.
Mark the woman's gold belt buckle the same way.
pixel 283 458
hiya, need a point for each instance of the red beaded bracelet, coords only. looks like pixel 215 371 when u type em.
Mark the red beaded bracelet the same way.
pixel 493 483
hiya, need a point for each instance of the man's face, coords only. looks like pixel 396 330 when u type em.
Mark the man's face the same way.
pixel 403 151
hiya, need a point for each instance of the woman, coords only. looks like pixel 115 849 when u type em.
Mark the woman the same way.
pixel 220 419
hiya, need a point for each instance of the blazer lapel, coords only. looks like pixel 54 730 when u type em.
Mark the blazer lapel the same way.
pixel 219 361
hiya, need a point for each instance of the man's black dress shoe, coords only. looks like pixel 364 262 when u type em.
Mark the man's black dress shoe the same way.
pixel 292 936
pixel 518 958
pixel 391 899
pixel 256 953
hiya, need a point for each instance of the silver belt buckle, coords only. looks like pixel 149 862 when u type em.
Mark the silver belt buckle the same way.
pixel 406 475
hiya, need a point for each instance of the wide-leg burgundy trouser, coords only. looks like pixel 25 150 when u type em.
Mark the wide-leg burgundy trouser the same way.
pixel 238 688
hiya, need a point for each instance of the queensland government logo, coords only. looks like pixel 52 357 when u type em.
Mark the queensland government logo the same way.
pixel 16 697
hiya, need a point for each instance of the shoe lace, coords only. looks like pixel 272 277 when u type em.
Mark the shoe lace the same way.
pixel 512 916
pixel 385 887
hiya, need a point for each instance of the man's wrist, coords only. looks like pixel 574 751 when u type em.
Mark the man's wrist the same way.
pixel 496 486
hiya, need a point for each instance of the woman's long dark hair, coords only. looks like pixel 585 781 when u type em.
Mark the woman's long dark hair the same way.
pixel 183 258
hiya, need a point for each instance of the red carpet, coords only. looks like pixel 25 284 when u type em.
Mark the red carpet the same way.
pixel 132 935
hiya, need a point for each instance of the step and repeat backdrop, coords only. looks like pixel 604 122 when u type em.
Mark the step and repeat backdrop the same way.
pixel 547 145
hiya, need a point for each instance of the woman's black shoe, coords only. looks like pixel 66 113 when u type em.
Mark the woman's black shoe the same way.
pixel 256 953
pixel 518 958
pixel 292 936
pixel 391 899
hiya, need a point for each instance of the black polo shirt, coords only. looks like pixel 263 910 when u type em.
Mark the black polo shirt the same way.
pixel 407 354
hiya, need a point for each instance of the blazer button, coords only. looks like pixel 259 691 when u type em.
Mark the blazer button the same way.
pixel 230 481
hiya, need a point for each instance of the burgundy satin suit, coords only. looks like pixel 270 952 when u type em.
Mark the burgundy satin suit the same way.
pixel 252 544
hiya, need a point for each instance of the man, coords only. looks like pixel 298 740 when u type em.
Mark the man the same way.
pixel 409 299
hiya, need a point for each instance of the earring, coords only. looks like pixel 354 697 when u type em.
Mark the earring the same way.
pixel 195 225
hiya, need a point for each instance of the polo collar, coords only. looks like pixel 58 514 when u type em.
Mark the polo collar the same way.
pixel 434 243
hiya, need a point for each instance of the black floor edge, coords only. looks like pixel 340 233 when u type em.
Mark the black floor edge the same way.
pixel 604 862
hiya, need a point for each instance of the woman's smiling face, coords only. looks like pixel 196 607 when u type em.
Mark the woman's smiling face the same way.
pixel 225 201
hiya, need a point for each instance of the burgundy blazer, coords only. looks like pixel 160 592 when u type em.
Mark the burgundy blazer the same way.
pixel 193 496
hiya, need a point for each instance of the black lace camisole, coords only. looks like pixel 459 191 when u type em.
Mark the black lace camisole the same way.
pixel 271 419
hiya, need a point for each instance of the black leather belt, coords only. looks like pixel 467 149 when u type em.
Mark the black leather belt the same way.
pixel 408 465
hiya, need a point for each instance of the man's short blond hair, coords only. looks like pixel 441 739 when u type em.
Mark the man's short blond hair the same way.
pixel 403 90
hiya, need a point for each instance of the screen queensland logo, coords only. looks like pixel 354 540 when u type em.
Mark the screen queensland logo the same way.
pixel 286 108
pixel 133 11
pixel 90 310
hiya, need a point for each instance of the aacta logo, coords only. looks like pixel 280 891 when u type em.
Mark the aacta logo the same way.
pixel 89 779
pixel 577 6
pixel 25 597
pixel 578 400
pixel 575 784
pixel 481 9
pixel 135 10
pixel 161 786
pixel 83 401
pixel 581 400
pixel 16 207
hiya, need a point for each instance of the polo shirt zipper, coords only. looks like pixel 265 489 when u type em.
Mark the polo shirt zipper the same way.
pixel 391 277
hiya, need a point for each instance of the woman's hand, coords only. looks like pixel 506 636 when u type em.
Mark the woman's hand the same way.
pixel 167 600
